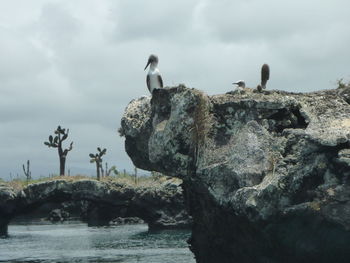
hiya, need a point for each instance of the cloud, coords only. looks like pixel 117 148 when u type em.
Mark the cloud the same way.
pixel 270 20
pixel 57 27
pixel 137 20
pixel 78 63
pixel 19 57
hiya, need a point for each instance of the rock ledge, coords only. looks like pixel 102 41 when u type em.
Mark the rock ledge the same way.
pixel 266 175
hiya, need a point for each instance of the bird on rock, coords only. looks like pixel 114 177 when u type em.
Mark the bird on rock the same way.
pixel 240 85
pixel 265 76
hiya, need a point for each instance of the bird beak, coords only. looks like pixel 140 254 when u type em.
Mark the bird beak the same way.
pixel 235 83
pixel 149 62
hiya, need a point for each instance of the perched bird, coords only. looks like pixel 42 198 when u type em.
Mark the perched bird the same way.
pixel 240 84
pixel 154 79
pixel 265 76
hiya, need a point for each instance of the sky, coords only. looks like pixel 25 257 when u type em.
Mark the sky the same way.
pixel 77 63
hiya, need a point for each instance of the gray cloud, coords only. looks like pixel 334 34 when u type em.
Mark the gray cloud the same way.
pixel 57 27
pixel 78 63
pixel 135 20
pixel 271 20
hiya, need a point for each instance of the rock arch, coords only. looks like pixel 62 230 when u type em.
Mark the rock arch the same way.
pixel 159 207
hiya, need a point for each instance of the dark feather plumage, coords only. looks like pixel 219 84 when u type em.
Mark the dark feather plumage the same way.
pixel 148 83
pixel 265 75
pixel 160 80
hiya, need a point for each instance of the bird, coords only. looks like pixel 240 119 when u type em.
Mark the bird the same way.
pixel 240 85
pixel 154 79
pixel 265 76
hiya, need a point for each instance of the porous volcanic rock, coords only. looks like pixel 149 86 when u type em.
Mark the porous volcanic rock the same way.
pixel 266 175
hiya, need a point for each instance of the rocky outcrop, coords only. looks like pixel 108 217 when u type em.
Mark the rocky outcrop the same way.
pixel 266 175
pixel 160 206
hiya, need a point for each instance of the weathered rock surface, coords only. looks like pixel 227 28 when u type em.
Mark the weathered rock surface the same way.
pixel 161 206
pixel 266 175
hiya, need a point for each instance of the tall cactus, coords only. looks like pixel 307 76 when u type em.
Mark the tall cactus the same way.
pixel 135 174
pixel 56 142
pixel 97 158
pixel 27 171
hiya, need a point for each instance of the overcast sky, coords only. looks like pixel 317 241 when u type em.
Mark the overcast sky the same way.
pixel 78 63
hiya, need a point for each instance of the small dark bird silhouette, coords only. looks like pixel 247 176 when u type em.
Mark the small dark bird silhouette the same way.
pixel 265 76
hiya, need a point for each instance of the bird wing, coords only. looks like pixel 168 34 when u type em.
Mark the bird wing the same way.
pixel 148 83
pixel 160 81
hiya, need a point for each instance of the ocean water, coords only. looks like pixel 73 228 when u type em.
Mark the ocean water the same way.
pixel 75 242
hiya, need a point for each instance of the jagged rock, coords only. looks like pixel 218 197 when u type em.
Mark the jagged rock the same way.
pixel 7 198
pixel 265 174
pixel 161 206
pixel 58 215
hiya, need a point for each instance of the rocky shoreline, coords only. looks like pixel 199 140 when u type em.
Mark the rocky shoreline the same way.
pixel 98 203
pixel 266 175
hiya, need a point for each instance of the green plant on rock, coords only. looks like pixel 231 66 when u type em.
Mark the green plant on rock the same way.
pixel 201 125
pixel 97 158
pixel 341 84
pixel 56 142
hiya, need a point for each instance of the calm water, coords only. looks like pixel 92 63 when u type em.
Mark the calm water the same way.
pixel 75 242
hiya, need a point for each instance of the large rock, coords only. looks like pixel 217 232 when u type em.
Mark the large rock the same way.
pixel 160 206
pixel 265 174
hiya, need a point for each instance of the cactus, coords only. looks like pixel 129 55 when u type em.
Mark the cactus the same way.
pixel 102 170
pixel 27 171
pixel 135 170
pixel 56 142
pixel 108 171
pixel 97 158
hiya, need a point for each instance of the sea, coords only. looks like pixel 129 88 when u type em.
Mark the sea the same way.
pixel 75 242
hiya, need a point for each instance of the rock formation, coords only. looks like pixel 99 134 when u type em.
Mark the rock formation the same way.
pixel 161 206
pixel 266 176
pixel 58 215
pixel 7 206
